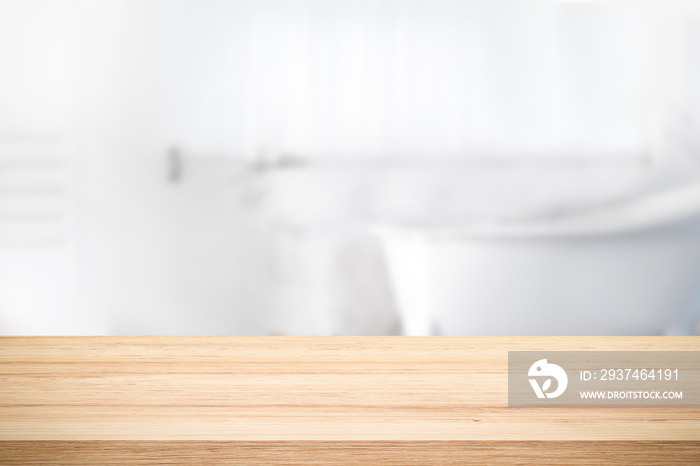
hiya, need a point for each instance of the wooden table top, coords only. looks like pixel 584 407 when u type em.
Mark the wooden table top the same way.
pixel 313 400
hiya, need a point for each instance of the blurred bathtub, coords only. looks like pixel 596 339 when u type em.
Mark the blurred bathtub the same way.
pixel 627 268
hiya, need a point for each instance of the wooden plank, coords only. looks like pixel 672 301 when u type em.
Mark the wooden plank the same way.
pixel 350 453
pixel 300 400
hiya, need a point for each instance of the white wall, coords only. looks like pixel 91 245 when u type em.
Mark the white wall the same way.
pixel 37 189
pixel 158 257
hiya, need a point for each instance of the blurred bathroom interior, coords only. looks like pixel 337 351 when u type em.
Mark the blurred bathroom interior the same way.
pixel 349 167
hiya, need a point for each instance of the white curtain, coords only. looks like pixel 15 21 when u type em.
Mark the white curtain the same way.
pixel 431 79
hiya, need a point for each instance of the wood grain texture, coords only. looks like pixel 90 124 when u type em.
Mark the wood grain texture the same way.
pixel 448 453
pixel 335 400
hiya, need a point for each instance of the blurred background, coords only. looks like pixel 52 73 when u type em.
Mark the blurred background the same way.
pixel 346 167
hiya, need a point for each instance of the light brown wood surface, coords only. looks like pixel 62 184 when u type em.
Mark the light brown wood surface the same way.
pixel 313 400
